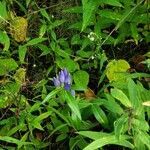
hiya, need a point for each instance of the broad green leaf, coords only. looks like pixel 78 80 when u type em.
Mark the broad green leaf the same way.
pixel 56 24
pixel 120 124
pixel 61 137
pixel 5 101
pixel 3 12
pixel 100 115
pixel 101 139
pixel 119 95
pixel 42 31
pixel 37 121
pixel 68 63
pixel 108 13
pixel 35 41
pixel 19 76
pixel 76 9
pixel 93 134
pixel 144 138
pixel 60 115
pixel 22 53
pixel 7 65
pixel 107 140
pixel 72 103
pixel 13 140
pixel 133 94
pixel 134 32
pixel 115 70
pixel 89 9
pixel 45 14
pixel 23 139
pixel 81 79
pixel 140 124
pixel 42 116
pixel 57 129
pixel 4 40
pixel 51 95
pixel 15 129
pixel 112 105
pixel 35 107
pixel 112 2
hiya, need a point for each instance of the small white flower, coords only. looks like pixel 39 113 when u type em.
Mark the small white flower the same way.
pixel 88 36
pixel 52 16
pixel 92 57
pixel 92 38
pixel 92 33
pixel 34 65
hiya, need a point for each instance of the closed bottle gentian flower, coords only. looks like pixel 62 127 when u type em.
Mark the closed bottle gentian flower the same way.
pixel 62 76
pixel 64 80
pixel 56 82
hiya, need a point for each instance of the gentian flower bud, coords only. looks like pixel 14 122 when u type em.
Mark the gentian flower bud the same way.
pixel 62 77
pixel 64 80
pixel 67 87
pixel 65 72
pixel 68 79
pixel 56 82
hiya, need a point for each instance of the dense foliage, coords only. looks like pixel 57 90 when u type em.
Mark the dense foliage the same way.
pixel 74 74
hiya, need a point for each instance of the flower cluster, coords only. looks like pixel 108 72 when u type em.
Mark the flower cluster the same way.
pixel 63 79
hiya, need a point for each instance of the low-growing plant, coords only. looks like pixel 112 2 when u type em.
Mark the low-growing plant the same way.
pixel 60 88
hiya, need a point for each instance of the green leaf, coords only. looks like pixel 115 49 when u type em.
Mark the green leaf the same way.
pixel 4 40
pixel 92 134
pixel 120 125
pixel 119 95
pixel 3 11
pixel 72 103
pixel 51 95
pixel 101 139
pixel 107 140
pixel 112 105
pixel 42 31
pixel 133 94
pixel 112 2
pixel 68 63
pixel 42 116
pixel 144 138
pixel 13 140
pixel 116 69
pixel 134 32
pixel 61 137
pixel 108 13
pixel 56 24
pixel 7 65
pixel 81 79
pixel 22 53
pixel 36 122
pixel 140 124
pixel 19 76
pixel 89 8
pixel 100 115
pixel 45 14
pixel 60 115
pixel 35 41
pixel 57 129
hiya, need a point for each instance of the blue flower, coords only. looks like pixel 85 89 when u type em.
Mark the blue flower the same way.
pixel 63 80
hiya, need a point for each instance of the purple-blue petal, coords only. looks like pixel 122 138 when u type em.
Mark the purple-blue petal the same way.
pixel 61 76
pixel 68 79
pixel 56 82
pixel 65 72
pixel 67 87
